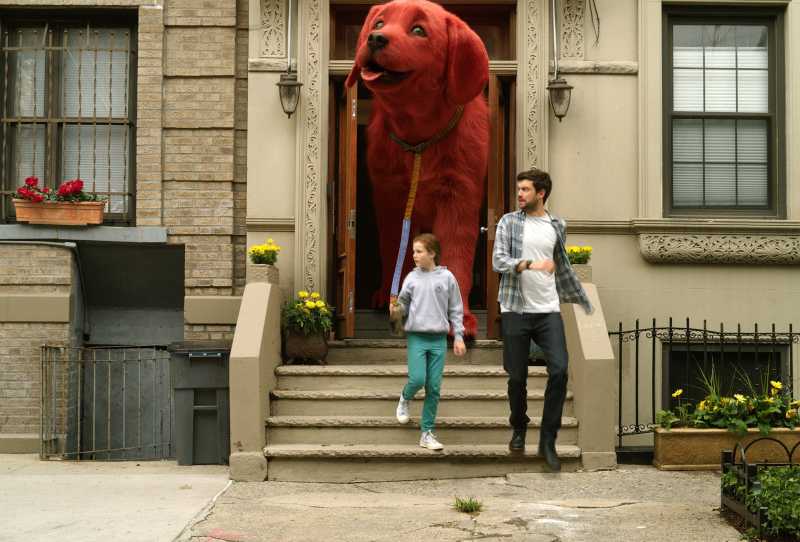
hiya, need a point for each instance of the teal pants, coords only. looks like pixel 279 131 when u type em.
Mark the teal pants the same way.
pixel 426 353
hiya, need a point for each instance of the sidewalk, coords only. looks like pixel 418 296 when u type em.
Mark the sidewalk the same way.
pixel 91 501
pixel 630 504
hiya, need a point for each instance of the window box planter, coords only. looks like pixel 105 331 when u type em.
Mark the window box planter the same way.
pixel 63 213
pixel 701 449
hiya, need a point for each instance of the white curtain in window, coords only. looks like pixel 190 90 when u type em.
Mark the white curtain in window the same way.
pixel 95 82
pixel 98 156
pixel 27 70
pixel 29 152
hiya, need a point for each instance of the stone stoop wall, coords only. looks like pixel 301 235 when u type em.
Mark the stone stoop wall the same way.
pixel 35 290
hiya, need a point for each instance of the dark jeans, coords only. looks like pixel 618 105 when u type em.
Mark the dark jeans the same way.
pixel 547 330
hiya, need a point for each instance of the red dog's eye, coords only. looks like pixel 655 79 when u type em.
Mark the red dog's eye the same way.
pixel 379 24
pixel 418 31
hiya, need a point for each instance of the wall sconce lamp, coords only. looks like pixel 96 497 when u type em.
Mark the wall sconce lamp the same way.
pixel 289 86
pixel 289 92
pixel 560 92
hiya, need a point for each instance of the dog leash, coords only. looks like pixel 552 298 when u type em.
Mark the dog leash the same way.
pixel 417 149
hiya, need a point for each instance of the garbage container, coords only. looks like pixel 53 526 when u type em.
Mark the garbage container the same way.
pixel 199 372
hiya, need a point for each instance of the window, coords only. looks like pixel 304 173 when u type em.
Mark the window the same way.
pixel 67 107
pixel 723 105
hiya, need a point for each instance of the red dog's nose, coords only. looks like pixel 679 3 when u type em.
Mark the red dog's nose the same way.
pixel 376 41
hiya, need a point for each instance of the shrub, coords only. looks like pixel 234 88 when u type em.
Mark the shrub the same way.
pixel 579 254
pixel 307 314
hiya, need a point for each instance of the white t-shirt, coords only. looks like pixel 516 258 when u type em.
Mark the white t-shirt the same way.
pixel 538 287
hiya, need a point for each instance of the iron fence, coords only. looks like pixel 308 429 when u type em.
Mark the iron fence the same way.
pixel 652 361
pixel 108 403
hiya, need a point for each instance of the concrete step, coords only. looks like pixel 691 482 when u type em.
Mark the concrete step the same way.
pixel 365 430
pixel 377 403
pixel 342 463
pixel 393 377
pixel 393 351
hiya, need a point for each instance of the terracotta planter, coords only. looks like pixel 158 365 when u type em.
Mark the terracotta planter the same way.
pixel 700 449
pixel 261 272
pixel 299 348
pixel 584 271
pixel 64 213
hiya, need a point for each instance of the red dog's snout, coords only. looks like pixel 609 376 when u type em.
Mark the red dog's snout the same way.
pixel 376 41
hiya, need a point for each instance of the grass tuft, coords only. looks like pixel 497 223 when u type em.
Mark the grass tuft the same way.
pixel 468 505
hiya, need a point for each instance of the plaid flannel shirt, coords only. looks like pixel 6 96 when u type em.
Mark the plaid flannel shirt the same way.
pixel 508 253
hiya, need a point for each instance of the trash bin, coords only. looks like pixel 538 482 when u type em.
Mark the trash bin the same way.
pixel 199 372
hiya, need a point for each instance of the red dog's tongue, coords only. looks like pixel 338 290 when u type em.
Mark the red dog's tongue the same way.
pixel 369 75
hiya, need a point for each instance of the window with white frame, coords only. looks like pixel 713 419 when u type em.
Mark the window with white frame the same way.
pixel 67 106
pixel 723 113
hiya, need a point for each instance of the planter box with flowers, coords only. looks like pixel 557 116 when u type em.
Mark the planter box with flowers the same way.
pixel 579 259
pixel 261 265
pixel 307 320
pixel 67 206
pixel 692 437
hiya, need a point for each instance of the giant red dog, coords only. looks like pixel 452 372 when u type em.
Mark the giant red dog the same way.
pixel 424 64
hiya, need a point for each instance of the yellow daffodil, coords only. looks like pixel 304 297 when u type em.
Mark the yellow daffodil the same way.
pixel 677 393
pixel 302 294
pixel 740 398
pixel 775 384
pixel 320 304
pixel 311 304
pixel 314 295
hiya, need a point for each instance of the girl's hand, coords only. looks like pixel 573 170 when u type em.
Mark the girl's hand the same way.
pixel 459 348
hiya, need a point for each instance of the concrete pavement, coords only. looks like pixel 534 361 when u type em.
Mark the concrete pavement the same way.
pixel 144 501
pixel 630 504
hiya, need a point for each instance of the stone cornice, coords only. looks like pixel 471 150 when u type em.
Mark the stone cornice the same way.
pixel 270 224
pixel 602 67
pixel 727 226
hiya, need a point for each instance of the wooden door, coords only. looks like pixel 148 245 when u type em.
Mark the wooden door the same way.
pixel 346 216
pixel 495 199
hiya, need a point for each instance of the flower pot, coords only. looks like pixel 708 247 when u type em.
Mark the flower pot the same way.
pixel 584 271
pixel 261 272
pixel 300 348
pixel 701 449
pixel 63 213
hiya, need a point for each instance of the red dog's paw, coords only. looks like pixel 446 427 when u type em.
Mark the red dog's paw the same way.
pixel 470 325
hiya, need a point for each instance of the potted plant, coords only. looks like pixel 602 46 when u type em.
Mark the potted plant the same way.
pixel 68 205
pixel 261 265
pixel 579 259
pixel 307 320
pixel 692 437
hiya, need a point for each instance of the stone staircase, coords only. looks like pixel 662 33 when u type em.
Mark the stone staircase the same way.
pixel 336 422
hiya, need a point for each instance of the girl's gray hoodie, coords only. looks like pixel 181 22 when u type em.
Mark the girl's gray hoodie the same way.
pixel 432 301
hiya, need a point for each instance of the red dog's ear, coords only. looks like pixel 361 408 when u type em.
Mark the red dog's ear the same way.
pixel 355 73
pixel 467 62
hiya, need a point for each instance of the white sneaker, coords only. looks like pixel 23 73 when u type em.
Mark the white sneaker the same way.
pixel 402 410
pixel 428 440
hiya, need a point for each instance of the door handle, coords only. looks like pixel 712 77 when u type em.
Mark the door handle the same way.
pixel 484 229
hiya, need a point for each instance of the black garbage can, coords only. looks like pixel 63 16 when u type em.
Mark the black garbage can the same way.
pixel 202 421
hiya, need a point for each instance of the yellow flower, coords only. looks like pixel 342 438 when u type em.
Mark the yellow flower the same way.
pixel 740 398
pixel 791 414
pixel 587 248
pixel 702 405
pixel 302 294
pixel 320 304
pixel 314 295
pixel 310 304
pixel 775 384
pixel 795 404
pixel 677 393
pixel 726 400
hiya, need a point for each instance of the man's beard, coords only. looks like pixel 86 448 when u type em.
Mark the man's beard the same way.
pixel 532 205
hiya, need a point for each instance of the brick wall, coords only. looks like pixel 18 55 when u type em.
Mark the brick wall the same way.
pixel 28 269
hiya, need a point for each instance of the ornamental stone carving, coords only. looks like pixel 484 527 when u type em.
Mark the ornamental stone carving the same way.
pixel 273 28
pixel 572 14
pixel 720 249
pixel 533 22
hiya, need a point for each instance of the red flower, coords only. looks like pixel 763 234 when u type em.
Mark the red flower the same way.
pixel 77 186
pixel 37 198
pixel 32 181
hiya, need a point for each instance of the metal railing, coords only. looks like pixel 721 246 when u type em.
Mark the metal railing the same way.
pixel 106 403
pixel 648 358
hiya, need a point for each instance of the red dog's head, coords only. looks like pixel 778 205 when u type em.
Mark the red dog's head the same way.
pixel 414 48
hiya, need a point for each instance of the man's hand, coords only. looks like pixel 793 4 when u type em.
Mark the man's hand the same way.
pixel 548 266
pixel 459 348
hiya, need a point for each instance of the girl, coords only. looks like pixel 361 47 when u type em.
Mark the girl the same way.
pixel 431 300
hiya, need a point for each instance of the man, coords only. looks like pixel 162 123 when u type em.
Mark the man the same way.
pixel 536 277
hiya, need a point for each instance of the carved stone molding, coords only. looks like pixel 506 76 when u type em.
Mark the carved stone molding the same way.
pixel 720 249
pixel 273 28
pixel 270 224
pixel 572 29
pixel 532 85
pixel 312 68
pixel 603 67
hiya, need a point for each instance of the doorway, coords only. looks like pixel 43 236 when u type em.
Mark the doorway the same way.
pixel 355 274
